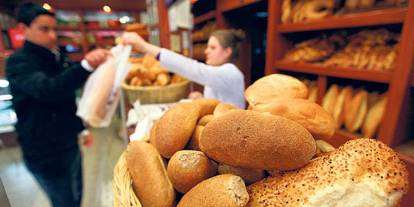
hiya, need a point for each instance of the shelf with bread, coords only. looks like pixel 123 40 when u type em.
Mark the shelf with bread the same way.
pixel 307 46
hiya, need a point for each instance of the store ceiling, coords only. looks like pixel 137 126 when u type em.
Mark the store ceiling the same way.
pixel 116 5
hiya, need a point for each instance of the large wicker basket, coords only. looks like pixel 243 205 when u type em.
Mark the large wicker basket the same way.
pixel 157 94
pixel 124 195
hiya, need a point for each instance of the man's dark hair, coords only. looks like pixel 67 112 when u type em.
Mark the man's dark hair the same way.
pixel 27 12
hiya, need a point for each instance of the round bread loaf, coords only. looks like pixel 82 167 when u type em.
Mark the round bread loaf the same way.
pixel 222 190
pixel 195 138
pixel 207 106
pixel 175 127
pixel 187 168
pixel 275 86
pixel 362 172
pixel 223 108
pixel 308 114
pixel 150 179
pixel 249 176
pixel 250 139
pixel 205 119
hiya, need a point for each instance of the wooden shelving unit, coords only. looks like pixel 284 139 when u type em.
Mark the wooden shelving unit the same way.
pixel 349 73
pixel 393 129
pixel 205 17
pixel 361 19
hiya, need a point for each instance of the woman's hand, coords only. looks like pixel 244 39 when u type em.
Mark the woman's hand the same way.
pixel 132 38
pixel 195 95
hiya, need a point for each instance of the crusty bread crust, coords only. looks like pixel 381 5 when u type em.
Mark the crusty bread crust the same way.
pixel 358 162
pixel 250 139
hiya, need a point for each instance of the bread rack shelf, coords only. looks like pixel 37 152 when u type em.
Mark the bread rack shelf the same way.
pixel 350 73
pixel 205 17
pixel 399 81
pixel 369 18
pixel 200 40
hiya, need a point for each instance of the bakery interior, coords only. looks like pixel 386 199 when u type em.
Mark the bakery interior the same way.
pixel 353 58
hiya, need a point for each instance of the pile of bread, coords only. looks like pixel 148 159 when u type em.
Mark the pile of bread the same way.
pixel 219 155
pixel 146 71
pixel 367 50
pixel 294 11
pixel 204 32
pixel 356 109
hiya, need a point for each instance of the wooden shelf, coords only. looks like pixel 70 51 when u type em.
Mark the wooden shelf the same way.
pixel 349 73
pixel 200 40
pixel 406 158
pixel 205 17
pixel 369 18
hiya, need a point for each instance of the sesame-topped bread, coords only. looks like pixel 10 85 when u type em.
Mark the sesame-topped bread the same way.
pixel 361 173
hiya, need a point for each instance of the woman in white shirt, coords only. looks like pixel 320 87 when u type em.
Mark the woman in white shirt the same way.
pixel 222 80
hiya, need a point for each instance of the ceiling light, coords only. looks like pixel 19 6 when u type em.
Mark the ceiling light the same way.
pixel 124 19
pixel 107 9
pixel 47 6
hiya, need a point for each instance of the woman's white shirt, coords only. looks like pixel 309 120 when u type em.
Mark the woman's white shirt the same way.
pixel 224 83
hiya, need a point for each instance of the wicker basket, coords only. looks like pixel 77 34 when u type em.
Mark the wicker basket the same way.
pixel 124 195
pixel 157 94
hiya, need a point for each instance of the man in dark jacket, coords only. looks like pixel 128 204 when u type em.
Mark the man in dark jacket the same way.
pixel 43 84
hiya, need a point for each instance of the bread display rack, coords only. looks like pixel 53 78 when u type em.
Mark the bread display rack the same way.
pixel 399 80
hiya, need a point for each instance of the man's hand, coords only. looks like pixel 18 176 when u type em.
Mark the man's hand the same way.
pixel 96 57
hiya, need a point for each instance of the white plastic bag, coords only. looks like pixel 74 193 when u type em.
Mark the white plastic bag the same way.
pixel 102 90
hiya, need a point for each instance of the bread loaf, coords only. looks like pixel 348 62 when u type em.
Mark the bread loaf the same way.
pixel 250 139
pixel 275 86
pixel 361 173
pixel 358 109
pixel 195 138
pixel 330 98
pixel 308 114
pixel 222 190
pixel 223 108
pixel 313 94
pixel 175 128
pixel 207 106
pixel 205 119
pixel 249 176
pixel 187 168
pixel 150 179
pixel 338 112
pixel 374 118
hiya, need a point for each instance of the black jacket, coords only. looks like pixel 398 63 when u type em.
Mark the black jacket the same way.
pixel 43 88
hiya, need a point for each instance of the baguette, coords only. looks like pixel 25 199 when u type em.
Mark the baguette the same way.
pixel 308 114
pixel 374 118
pixel 275 86
pixel 358 109
pixel 250 139
pixel 330 98
pixel 187 168
pixel 150 179
pixel 219 191
pixel 362 172
pixel 338 115
pixel 175 128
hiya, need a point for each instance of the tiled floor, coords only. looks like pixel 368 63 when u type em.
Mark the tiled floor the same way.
pixel 98 163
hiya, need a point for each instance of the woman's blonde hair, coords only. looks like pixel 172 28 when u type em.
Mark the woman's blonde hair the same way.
pixel 230 38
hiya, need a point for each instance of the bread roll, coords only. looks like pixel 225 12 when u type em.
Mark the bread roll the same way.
pixel 323 147
pixel 358 109
pixel 374 118
pixel 205 119
pixel 249 176
pixel 338 115
pixel 187 168
pixel 275 86
pixel 175 128
pixel 195 138
pixel 308 114
pixel 150 179
pixel 223 108
pixel 222 190
pixel 361 173
pixel 313 94
pixel 250 139
pixel 330 98
pixel 207 106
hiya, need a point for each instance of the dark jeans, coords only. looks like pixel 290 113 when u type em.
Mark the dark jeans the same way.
pixel 59 175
